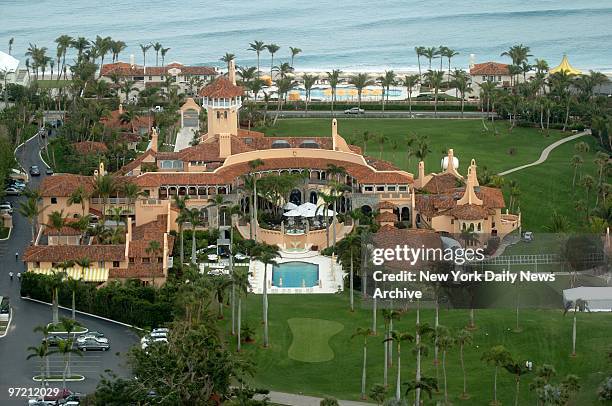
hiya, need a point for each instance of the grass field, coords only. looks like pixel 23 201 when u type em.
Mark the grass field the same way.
pixel 546 338
pixel 52 83
pixel 543 188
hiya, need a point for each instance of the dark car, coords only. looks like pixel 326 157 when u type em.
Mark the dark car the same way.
pixel 49 171
pixel 53 340
pixel 34 170
pixel 92 344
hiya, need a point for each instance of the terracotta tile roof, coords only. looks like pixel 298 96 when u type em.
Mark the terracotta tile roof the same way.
pixel 441 183
pixel 469 212
pixel 432 205
pixel 136 271
pixel 136 162
pixel 61 253
pixel 90 147
pixel 221 88
pixel 390 237
pixel 490 68
pixel 63 184
pixel 67 230
pixel 153 179
pixel 381 165
pixel 386 217
pixel 386 205
pixel 208 150
pixel 125 69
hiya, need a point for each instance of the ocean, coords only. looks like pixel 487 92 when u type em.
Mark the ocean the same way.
pixel 349 35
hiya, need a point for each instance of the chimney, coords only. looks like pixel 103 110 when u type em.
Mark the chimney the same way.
pixel 450 164
pixel 120 108
pixel 225 145
pixel 421 171
pixel 469 197
pixel 154 140
pixel 128 221
pixel 231 73
pixel 334 133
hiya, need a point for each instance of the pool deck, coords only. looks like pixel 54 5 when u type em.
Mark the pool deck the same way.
pixel 330 274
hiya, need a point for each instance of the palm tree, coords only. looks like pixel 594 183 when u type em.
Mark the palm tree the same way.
pixel 577 305
pixel 434 80
pixel 227 58
pixel 240 278
pixel 284 69
pixel 73 284
pixel 63 43
pixel 463 338
pixel 445 342
pixel 409 82
pixel 253 165
pixel 284 85
pixel 41 352
pixel 144 49
pixel 449 54
pixel 219 202
pixel 422 331
pixel 420 51
pixel 360 81
pixel 517 369
pixel 430 53
pixel 397 338
pixel 426 384
pixel 127 87
pixel 333 77
pixel 309 81
pixel 10 45
pixel 266 254
pixel 588 182
pixel 181 205
pixel 65 348
pixel 157 47
pixel 30 210
pixel 79 196
pixel 386 81
pixel 349 244
pixel 461 81
pixel 81 44
pixel 55 281
pixel 272 49
pixel 576 162
pixel 103 45
pixel 163 53
pixel 388 316
pixel 220 284
pixel 116 48
pixel 294 53
pixel 258 47
pixel 193 217
pixel 497 356
pixel 104 187
pixel 363 332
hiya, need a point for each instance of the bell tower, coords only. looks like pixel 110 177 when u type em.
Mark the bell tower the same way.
pixel 222 99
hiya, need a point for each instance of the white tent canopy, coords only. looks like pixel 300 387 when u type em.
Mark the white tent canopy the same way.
pixel 292 213
pixel 8 63
pixel 290 206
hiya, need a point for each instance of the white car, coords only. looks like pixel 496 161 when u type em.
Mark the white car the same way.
pixel 147 341
pixel 354 110
pixel 528 236
pixel 6 207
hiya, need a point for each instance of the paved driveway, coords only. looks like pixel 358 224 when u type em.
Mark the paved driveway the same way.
pixel 14 369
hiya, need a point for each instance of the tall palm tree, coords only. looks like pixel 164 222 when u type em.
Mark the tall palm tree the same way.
pixel 463 339
pixel 63 43
pixel 81 44
pixel 253 165
pixel 426 384
pixel 116 48
pixel 445 342
pixel 181 204
pixel 272 49
pixel 397 338
pixel 422 331
pixel 294 53
pixel 127 87
pixel 73 284
pixel 576 306
pixel 434 80
pixel 284 85
pixel 461 82
pixel 449 54
pixel 55 281
pixel 365 333
pixel 104 186
pixel 65 349
pixel 10 45
pixel 144 48
pixel 30 209
pixel 347 248
pixel 360 81
pixel 258 47
pixel 227 58
pixel 420 51
pixel 388 316
pixel 79 196
pixel 576 162
pixel 157 47
pixel 193 217
pixel 163 53
pixel 497 356
pixel 409 82
pixel 103 45
pixel 266 254
pixel 334 78
pixel 309 81
pixel 41 352
pixel 430 53
pixel 240 278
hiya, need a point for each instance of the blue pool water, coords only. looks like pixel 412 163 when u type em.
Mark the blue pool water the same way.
pixel 295 275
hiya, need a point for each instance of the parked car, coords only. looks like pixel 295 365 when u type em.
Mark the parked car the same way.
pixel 13 191
pixel 16 183
pixel 53 340
pixel 34 170
pixel 92 335
pixel 148 340
pixel 354 110
pixel 49 171
pixel 6 207
pixel 528 236
pixel 63 397
pixel 92 344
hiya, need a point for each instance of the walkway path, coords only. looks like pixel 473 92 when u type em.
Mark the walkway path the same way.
pixel 291 399
pixel 545 152
pixel 184 138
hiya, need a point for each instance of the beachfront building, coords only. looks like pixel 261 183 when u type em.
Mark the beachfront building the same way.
pixel 498 73
pixel 188 79
pixel 227 165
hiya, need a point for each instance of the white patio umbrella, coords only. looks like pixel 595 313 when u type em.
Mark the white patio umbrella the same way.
pixel 308 206
pixel 292 213
pixel 320 212
pixel 290 206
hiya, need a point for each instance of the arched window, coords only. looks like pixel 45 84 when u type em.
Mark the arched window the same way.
pixel 218 115
pixel 225 114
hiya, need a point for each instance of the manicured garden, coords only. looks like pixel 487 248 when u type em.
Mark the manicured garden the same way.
pixel 311 325
pixel 543 188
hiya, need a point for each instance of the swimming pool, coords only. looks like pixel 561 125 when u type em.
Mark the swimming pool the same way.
pixel 296 274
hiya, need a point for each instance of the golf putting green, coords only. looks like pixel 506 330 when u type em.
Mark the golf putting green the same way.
pixel 311 339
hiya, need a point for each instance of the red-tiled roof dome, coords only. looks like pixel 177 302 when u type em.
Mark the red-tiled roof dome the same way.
pixel 221 88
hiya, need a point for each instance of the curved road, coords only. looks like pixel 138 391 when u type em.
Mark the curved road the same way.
pixel 15 371
pixel 545 152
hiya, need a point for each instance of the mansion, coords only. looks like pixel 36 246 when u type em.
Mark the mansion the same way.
pixel 446 202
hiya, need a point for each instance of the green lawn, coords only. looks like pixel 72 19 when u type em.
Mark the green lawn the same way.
pixel 543 188
pixel 546 338
pixel 311 339
pixel 53 84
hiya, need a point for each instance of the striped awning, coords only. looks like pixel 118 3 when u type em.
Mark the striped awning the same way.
pixel 86 275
